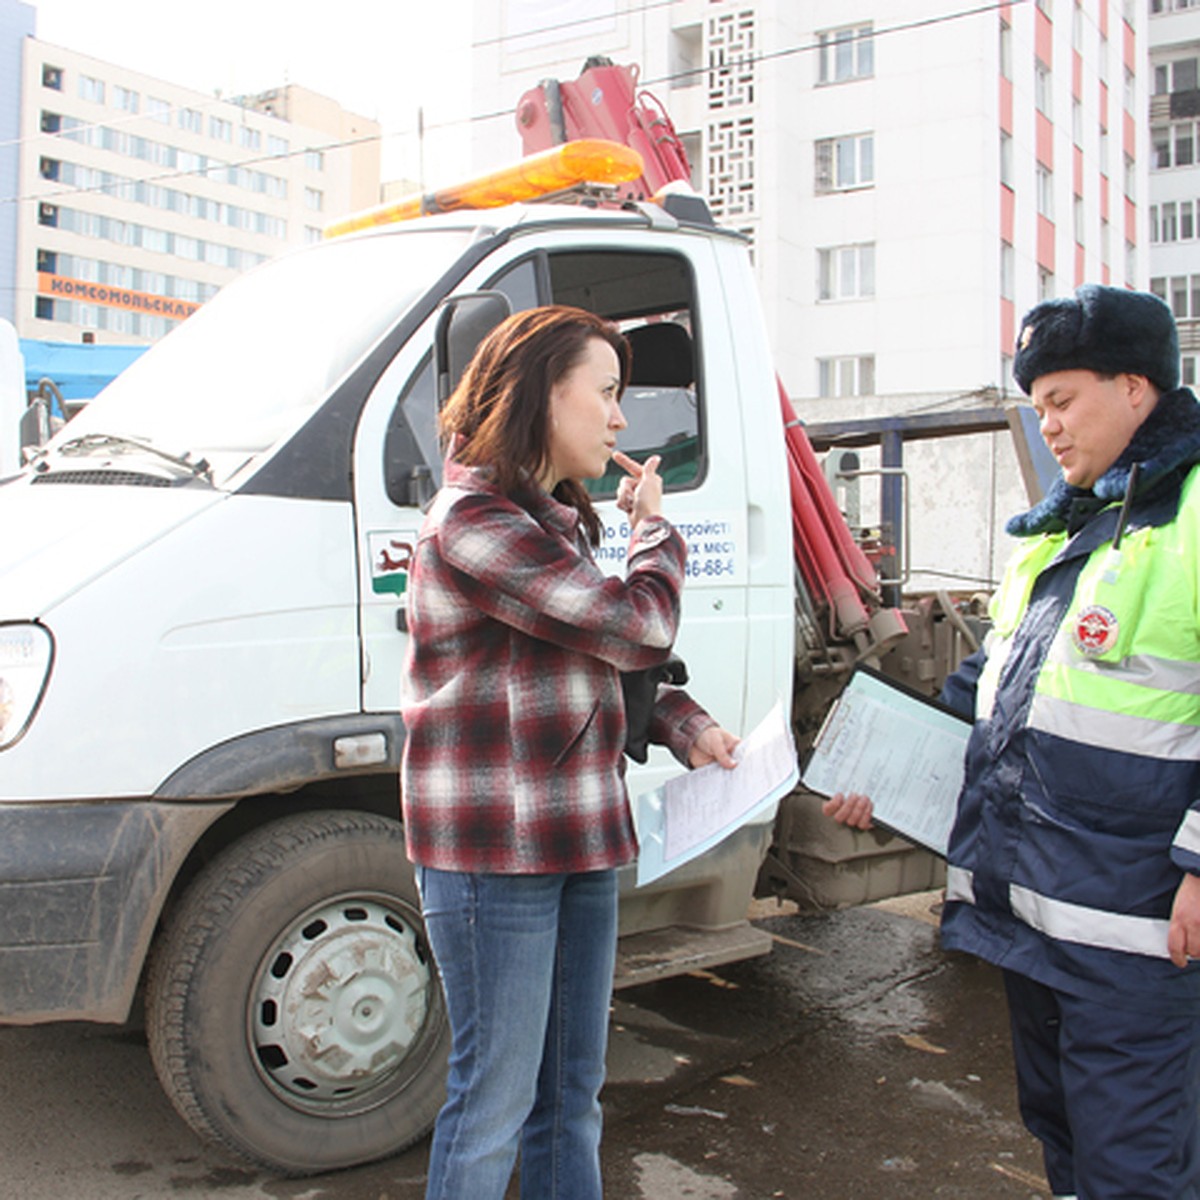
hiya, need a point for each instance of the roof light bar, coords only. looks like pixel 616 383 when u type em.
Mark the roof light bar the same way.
pixel 589 160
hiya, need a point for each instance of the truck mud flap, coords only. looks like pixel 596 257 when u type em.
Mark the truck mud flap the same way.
pixel 81 887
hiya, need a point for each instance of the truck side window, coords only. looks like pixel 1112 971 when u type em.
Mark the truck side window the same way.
pixel 412 460
pixel 651 296
pixel 660 405
pixel 519 283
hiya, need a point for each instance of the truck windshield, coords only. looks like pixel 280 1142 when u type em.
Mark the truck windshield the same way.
pixel 255 362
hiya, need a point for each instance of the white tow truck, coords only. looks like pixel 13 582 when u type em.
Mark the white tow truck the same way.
pixel 202 633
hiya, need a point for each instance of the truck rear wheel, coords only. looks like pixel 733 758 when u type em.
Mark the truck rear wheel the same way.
pixel 292 1006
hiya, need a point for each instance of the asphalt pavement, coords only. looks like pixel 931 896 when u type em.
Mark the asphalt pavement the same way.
pixel 857 1060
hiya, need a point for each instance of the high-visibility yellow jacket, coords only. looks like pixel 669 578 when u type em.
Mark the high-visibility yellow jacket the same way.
pixel 1080 809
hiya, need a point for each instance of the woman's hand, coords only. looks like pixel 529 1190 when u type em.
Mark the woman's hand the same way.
pixel 714 745
pixel 853 810
pixel 640 492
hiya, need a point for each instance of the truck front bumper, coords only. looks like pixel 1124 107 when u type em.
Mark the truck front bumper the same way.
pixel 81 887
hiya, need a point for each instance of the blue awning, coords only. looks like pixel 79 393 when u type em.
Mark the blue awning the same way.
pixel 78 369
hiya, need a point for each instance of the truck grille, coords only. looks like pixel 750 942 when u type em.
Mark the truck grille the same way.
pixel 117 478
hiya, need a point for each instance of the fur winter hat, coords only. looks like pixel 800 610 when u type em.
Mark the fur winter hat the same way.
pixel 1110 330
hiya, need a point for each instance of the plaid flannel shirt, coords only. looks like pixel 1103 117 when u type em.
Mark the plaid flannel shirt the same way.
pixel 511 694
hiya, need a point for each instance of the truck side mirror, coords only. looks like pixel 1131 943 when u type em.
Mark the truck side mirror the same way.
pixel 464 322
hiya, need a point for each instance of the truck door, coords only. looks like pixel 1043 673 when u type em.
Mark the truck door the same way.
pixel 682 404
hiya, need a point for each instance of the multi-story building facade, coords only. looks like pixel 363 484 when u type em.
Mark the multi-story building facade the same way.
pixel 16 24
pixel 914 175
pixel 1174 36
pixel 137 199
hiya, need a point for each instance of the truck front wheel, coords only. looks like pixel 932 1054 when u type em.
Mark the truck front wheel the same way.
pixel 292 1005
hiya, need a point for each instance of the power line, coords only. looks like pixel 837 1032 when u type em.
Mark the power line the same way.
pixel 748 60
pixel 755 59
pixel 575 22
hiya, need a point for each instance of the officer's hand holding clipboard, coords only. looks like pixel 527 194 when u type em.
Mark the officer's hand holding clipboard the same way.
pixel 903 750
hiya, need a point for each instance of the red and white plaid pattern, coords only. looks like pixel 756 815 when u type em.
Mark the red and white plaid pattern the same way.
pixel 511 696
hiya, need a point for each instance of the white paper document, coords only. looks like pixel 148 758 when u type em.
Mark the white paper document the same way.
pixel 690 814
pixel 902 750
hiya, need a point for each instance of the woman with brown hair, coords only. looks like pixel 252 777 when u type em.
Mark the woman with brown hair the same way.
pixel 515 808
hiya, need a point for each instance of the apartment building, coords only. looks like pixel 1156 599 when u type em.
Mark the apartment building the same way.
pixel 137 199
pixel 913 175
pixel 1174 37
pixel 16 24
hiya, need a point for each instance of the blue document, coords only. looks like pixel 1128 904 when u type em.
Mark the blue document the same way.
pixel 692 813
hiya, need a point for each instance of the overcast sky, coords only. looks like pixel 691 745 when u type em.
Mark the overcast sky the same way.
pixel 383 59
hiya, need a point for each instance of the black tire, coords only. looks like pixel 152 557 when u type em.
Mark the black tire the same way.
pixel 292 1006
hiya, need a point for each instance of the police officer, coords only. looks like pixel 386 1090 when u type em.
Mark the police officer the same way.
pixel 1074 864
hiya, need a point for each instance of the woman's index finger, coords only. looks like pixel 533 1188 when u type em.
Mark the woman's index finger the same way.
pixel 627 464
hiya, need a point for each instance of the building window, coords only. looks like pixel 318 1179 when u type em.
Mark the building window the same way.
pixel 846 272
pixel 1181 292
pixel 845 54
pixel 1006 50
pixel 1130 178
pixel 124 99
pixel 160 110
pixel 1076 121
pixel 52 77
pixel 1008 271
pixel 1187 370
pixel 48 215
pixel 91 89
pixel 220 129
pixel 1130 91
pixel 1078 215
pixel 1169 228
pixel 276 145
pixel 1045 284
pixel 1131 263
pixel 845 162
pixel 1173 145
pixel 1077 28
pixel 1164 6
pixel 1178 76
pixel 49 168
pixel 1046 7
pixel 1042 90
pixel 314 160
pixel 1006 159
pixel 251 139
pixel 851 376
pixel 191 120
pixel 1045 191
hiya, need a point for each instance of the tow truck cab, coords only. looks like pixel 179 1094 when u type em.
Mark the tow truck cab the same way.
pixel 202 587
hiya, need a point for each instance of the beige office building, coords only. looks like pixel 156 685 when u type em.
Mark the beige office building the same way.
pixel 138 199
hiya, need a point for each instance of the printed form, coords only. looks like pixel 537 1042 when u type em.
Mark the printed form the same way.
pixel 902 750
pixel 690 814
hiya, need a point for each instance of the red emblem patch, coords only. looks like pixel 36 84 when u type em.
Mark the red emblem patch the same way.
pixel 1095 630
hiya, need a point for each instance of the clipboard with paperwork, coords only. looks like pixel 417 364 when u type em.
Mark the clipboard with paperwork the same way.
pixel 691 813
pixel 904 750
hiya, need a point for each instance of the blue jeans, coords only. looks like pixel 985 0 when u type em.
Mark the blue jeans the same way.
pixel 526 963
pixel 1112 1094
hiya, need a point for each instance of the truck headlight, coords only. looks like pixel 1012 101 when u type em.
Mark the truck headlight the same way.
pixel 26 652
